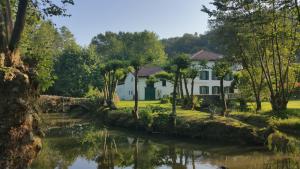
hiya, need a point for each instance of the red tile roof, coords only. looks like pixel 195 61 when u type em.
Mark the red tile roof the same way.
pixel 205 55
pixel 148 71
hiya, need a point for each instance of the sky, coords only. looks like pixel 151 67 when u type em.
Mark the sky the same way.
pixel 167 18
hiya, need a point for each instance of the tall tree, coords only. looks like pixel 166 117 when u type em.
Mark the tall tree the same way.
pixel 222 69
pixel 272 28
pixel 18 87
pixel 39 46
pixel 179 63
pixel 142 48
pixel 112 72
pixel 191 73
pixel 75 72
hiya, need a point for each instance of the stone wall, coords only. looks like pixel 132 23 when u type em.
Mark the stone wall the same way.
pixel 57 104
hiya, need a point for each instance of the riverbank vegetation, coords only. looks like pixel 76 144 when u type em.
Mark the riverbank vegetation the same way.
pixel 242 128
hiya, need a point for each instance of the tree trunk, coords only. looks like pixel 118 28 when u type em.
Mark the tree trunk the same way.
pixel 173 115
pixel 193 160
pixel 136 154
pixel 19 123
pixel 279 104
pixel 186 88
pixel 181 87
pixel 258 103
pixel 136 96
pixel 192 93
pixel 105 90
pixel 111 91
pixel 223 99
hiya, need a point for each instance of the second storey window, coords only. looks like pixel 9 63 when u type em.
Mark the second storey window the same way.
pixel 204 90
pixel 216 90
pixel 204 75
pixel 228 77
pixel 214 76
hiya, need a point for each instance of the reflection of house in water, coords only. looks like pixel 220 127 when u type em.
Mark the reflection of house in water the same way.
pixel 205 84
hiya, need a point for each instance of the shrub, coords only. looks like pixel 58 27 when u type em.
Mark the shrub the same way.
pixel 233 104
pixel 161 122
pixel 197 102
pixel 94 93
pixel 146 118
pixel 158 109
pixel 165 100
pixel 279 142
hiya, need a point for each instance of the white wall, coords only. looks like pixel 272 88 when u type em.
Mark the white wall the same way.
pixel 210 83
pixel 126 91
pixel 161 90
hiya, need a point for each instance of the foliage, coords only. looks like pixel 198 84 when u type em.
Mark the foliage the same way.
pixel 161 122
pixel 279 142
pixel 93 93
pixel 39 46
pixel 271 28
pixel 75 70
pixel 165 99
pixel 146 117
pixel 190 43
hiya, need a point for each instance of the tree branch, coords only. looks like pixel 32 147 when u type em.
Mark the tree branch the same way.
pixel 19 25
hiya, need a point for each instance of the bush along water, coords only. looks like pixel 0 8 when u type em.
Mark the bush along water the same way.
pixel 279 142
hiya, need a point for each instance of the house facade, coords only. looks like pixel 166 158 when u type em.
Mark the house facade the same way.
pixel 146 91
pixel 205 84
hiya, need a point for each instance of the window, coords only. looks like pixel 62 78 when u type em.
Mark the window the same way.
pixel 163 82
pixel 228 77
pixel 204 75
pixel 129 92
pixel 204 90
pixel 227 89
pixel 214 76
pixel 216 90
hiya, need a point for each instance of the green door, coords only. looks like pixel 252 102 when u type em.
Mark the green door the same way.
pixel 150 93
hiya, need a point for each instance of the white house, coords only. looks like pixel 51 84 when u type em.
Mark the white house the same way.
pixel 205 84
pixel 145 91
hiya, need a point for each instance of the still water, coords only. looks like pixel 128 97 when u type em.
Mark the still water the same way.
pixel 113 149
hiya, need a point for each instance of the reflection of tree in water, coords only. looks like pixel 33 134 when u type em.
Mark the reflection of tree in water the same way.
pixel 255 161
pixel 108 152
pixel 111 150
pixel 287 163
pixel 58 153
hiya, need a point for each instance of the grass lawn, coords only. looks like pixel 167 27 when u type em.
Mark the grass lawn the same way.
pixel 181 113
pixel 261 119
pixel 266 106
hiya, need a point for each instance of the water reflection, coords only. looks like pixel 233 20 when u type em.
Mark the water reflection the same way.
pixel 114 150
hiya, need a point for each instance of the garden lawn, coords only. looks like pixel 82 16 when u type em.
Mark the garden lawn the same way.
pixel 188 114
pixel 291 125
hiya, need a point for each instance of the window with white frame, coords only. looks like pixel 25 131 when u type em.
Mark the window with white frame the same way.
pixel 216 90
pixel 204 89
pixel 204 75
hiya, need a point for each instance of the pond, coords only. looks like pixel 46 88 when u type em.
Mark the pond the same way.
pixel 115 149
